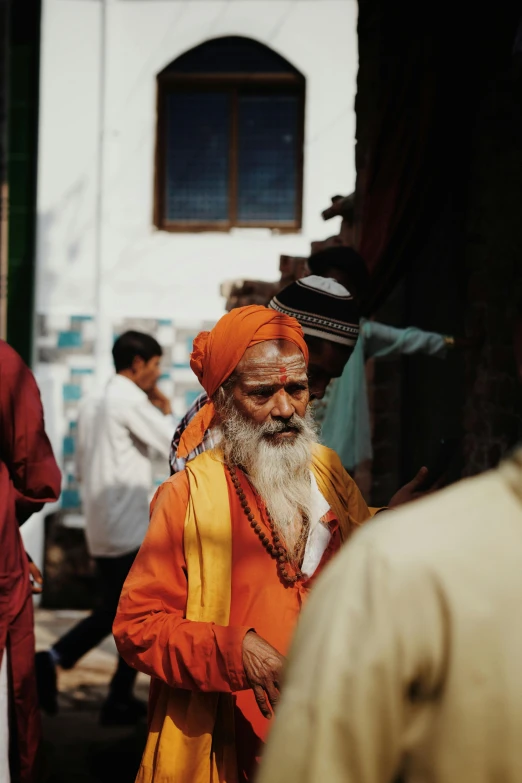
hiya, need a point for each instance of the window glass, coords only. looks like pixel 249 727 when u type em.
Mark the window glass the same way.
pixel 267 157
pixel 231 54
pixel 230 134
pixel 197 164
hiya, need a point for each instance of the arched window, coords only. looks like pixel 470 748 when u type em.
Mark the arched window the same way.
pixel 229 139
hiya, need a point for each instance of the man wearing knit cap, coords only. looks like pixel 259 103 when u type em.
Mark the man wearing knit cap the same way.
pixel 234 544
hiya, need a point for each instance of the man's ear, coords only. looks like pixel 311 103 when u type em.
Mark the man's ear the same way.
pixel 137 365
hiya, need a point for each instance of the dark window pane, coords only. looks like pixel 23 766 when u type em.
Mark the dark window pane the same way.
pixel 232 54
pixel 267 157
pixel 197 173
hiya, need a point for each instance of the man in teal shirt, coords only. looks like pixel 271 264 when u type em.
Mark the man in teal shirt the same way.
pixel 345 414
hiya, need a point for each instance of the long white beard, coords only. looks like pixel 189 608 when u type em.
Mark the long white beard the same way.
pixel 280 472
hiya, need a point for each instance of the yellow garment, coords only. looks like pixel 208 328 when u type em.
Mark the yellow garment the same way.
pixel 182 744
pixel 340 490
pixel 406 662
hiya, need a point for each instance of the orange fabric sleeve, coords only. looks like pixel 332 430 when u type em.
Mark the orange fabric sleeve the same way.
pixel 150 628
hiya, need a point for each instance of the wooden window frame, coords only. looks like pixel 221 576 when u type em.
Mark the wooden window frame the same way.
pixel 179 82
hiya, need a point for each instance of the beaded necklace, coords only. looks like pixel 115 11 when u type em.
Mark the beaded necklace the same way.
pixel 275 548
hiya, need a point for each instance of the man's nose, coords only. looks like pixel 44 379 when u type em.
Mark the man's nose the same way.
pixel 283 408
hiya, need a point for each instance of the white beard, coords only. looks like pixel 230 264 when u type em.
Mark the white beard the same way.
pixel 280 472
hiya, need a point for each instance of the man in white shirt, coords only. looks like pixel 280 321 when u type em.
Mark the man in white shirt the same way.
pixel 116 433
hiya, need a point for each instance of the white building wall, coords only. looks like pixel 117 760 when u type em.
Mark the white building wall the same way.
pixel 146 271
pixel 98 253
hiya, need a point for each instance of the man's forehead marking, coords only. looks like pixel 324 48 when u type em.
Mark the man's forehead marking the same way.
pixel 279 369
pixel 279 375
pixel 264 360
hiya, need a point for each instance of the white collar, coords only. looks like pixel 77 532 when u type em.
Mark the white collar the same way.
pixel 320 505
pixel 319 534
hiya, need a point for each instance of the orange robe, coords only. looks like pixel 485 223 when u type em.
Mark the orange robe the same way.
pixel 154 636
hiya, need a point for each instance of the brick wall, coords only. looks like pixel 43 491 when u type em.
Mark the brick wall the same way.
pixel 493 408
pixel 466 278
pixel 384 378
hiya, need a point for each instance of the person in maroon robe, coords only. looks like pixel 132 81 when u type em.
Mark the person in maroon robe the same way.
pixel 29 477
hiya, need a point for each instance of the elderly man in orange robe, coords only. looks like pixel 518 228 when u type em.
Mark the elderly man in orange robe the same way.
pixel 234 544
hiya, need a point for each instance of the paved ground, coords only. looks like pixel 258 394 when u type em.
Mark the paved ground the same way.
pixel 77 748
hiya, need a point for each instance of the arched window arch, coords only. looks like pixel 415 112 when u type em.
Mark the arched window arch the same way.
pixel 229 148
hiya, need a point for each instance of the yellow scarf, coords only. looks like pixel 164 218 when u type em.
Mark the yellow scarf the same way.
pixel 191 737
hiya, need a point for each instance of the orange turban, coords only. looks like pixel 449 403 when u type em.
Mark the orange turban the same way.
pixel 216 355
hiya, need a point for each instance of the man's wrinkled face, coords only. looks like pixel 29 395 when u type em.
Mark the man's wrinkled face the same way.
pixel 270 386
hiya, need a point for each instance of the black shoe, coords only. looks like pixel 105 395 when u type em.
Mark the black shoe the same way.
pixel 46 682
pixel 125 712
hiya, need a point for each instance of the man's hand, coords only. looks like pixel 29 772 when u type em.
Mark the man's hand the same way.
pixel 36 578
pixel 263 666
pixel 159 400
pixel 410 491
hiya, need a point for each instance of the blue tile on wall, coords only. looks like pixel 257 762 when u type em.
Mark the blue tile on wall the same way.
pixel 70 339
pixel 181 366
pixel 71 392
pixel 78 319
pixel 70 498
pixel 190 396
pixel 82 371
pixel 165 322
pixel 69 446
